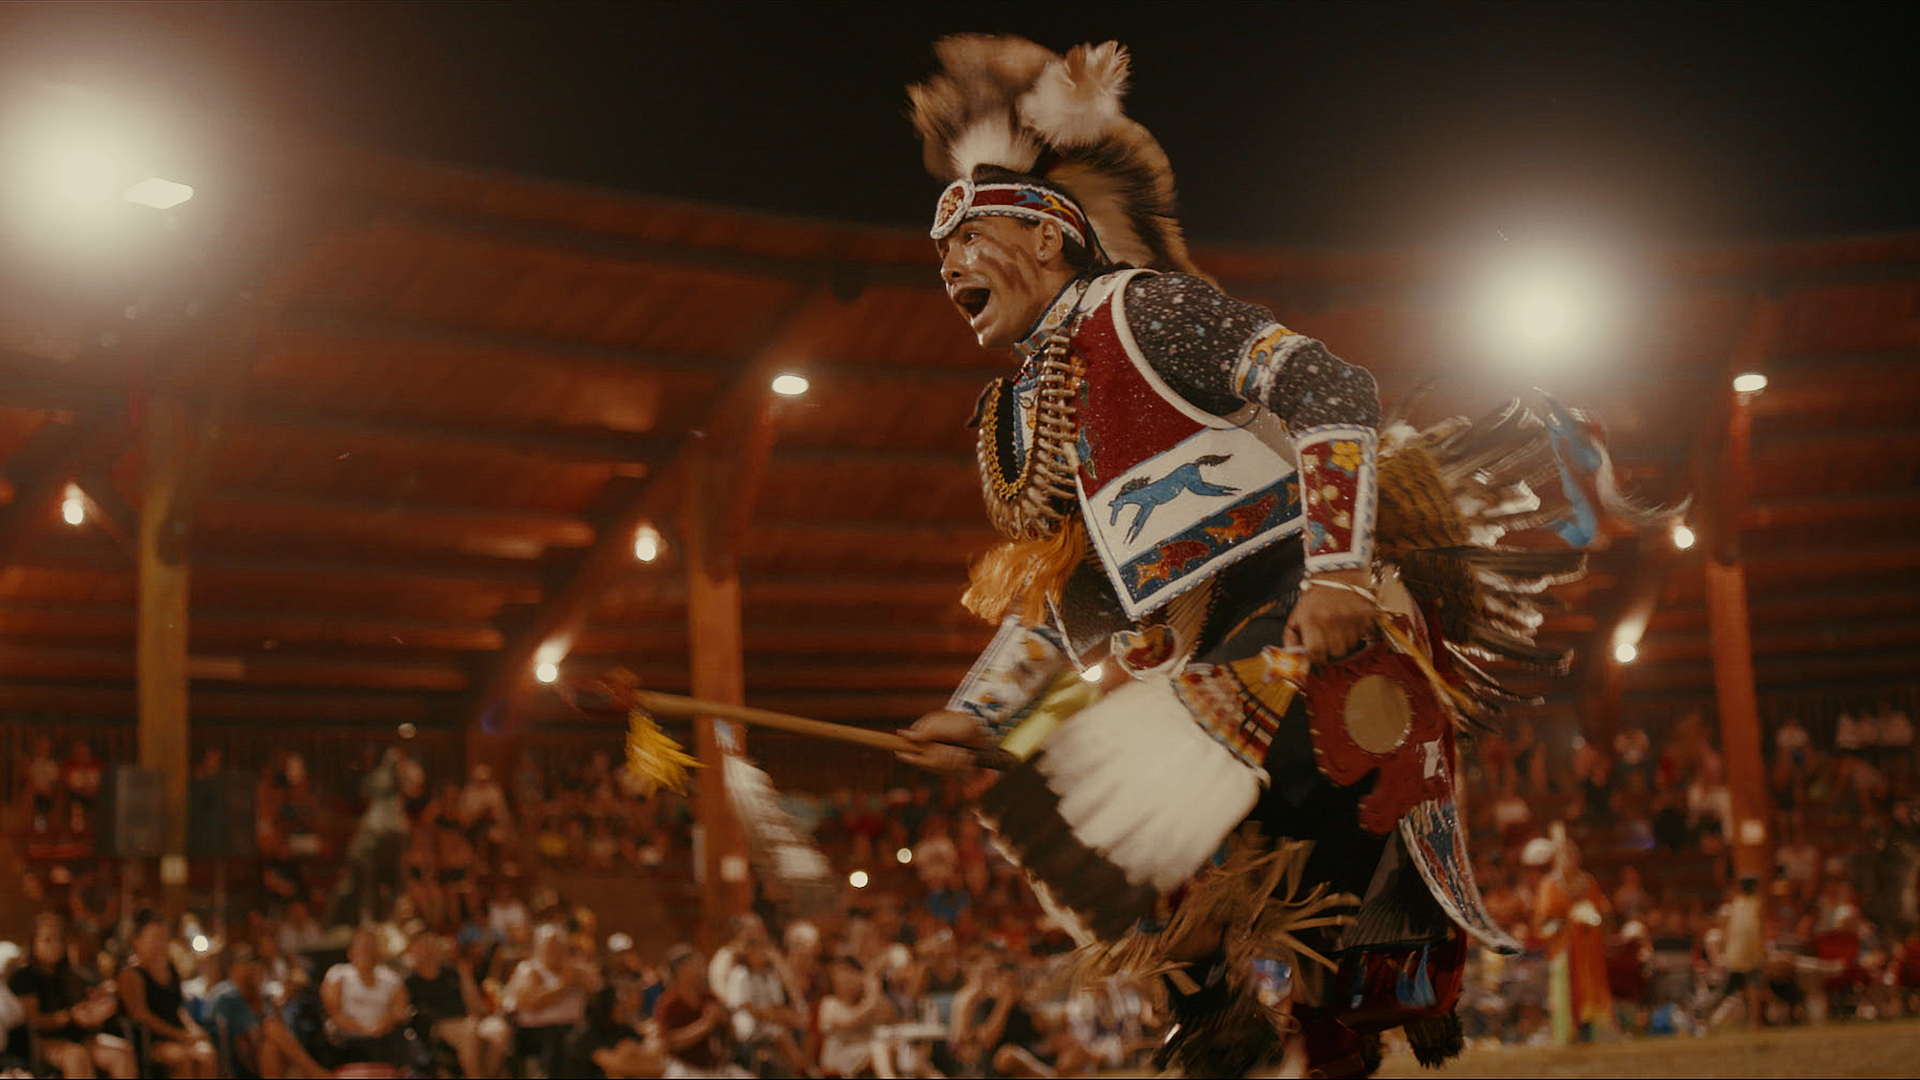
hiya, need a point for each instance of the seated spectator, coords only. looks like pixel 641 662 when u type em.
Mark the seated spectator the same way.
pixel 547 996
pixel 1792 744
pixel 150 994
pixel 1633 753
pixel 367 1007
pixel 447 1006
pixel 935 858
pixel 483 807
pixel 253 1040
pixel 609 1042
pixel 1893 730
pixel 693 1022
pixel 1853 734
pixel 747 930
pixel 1904 971
pixel 767 1006
pixel 1512 817
pixel 81 775
pixel 41 782
pixel 1708 797
pixel 66 1012
pixel 992 1028
pixel 1630 899
pixel 507 915
pixel 300 931
pixel 847 1018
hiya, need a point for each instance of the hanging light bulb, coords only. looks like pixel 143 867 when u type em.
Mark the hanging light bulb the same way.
pixel 646 544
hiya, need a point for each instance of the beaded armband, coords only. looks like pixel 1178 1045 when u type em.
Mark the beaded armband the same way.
pixel 1008 680
pixel 1338 490
pixel 1262 358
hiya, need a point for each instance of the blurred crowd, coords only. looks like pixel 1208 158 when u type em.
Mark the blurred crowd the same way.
pixel 414 927
pixel 1621 866
pixel 417 932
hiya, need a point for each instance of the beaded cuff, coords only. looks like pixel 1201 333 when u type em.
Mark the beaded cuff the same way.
pixel 1008 679
pixel 1338 491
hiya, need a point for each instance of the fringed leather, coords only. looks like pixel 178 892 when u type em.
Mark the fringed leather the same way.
pixel 1436 1040
pixel 1254 896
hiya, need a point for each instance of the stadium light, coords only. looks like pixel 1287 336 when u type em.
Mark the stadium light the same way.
pixel 790 385
pixel 1545 307
pixel 1683 537
pixel 73 508
pixel 1749 382
pixel 646 544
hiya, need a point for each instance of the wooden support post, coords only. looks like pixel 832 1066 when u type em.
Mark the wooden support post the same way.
pixel 161 633
pixel 714 639
pixel 1739 719
pixel 1727 616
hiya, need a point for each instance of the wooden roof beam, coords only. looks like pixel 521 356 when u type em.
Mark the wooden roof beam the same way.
pixel 52 698
pixel 595 445
pixel 1802 511
pixel 530 348
pixel 554 529
pixel 54 620
pixel 516 580
pixel 88 663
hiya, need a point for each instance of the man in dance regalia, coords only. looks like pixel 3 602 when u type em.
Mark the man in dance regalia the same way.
pixel 1190 490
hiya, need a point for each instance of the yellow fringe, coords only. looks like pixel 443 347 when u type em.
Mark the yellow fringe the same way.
pixel 1019 577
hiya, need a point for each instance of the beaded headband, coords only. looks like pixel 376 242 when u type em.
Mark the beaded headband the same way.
pixel 965 199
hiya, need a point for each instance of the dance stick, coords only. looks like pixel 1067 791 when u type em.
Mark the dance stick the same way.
pixel 988 757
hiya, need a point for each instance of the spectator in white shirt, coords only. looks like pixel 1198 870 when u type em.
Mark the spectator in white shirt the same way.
pixel 367 1006
pixel 547 996
pixel 1708 797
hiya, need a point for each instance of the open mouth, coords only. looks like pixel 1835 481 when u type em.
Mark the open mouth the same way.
pixel 972 299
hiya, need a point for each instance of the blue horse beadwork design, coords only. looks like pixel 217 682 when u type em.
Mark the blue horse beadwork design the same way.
pixel 1150 495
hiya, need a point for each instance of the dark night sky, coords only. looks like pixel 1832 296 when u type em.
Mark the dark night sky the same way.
pixel 1353 123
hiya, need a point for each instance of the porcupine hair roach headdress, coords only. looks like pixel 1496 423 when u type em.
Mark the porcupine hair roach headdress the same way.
pixel 1054 122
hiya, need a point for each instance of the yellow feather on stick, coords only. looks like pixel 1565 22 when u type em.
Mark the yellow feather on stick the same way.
pixel 653 758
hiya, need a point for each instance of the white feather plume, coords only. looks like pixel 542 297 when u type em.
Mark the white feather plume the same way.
pixel 991 140
pixel 1076 100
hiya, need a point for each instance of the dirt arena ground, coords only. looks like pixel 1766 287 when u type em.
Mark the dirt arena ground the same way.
pixel 1888 1048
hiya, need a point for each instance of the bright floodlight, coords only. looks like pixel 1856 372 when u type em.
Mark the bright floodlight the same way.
pixel 1626 652
pixel 1750 382
pixel 857 879
pixel 1094 673
pixel 73 508
pixel 1683 537
pixel 157 193
pixel 546 671
pixel 1546 307
pixel 790 385
pixel 646 544
pixel 903 856
pixel 72 164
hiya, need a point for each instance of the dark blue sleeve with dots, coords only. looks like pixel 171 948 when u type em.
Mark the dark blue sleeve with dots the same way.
pixel 1192 335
